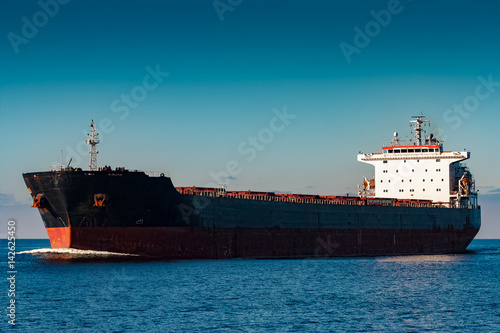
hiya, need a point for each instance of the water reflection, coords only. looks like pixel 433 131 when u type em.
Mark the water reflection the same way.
pixel 424 258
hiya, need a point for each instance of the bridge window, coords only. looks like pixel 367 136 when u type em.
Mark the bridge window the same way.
pixel 418 150
pixel 385 161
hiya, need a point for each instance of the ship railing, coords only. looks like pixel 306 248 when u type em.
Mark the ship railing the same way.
pixel 157 173
pixel 322 201
pixel 59 168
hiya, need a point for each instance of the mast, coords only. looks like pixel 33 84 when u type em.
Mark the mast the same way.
pixel 419 123
pixel 93 141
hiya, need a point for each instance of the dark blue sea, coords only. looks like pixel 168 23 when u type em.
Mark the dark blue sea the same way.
pixel 74 291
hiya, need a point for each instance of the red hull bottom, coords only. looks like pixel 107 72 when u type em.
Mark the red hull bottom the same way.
pixel 209 243
pixel 59 237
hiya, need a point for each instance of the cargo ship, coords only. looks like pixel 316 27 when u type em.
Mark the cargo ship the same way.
pixel 421 200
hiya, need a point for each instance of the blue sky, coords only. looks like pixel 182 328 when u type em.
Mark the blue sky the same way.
pixel 229 66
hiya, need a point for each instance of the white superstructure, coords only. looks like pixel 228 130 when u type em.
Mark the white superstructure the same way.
pixel 419 171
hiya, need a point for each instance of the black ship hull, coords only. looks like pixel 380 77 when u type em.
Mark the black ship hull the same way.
pixel 129 212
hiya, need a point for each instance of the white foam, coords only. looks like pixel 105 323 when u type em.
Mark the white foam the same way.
pixel 75 252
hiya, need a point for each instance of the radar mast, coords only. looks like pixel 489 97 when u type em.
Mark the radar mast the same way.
pixel 419 123
pixel 93 141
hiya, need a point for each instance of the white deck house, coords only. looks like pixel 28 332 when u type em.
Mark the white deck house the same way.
pixel 419 172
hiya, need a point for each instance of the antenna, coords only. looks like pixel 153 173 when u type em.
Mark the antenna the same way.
pixel 93 141
pixel 419 123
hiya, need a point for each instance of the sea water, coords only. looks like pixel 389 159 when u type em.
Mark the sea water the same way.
pixel 79 291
